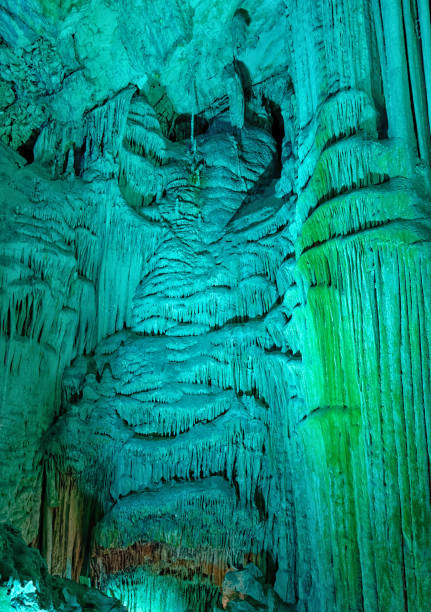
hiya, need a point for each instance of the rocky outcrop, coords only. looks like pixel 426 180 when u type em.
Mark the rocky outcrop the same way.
pixel 245 590
pixel 25 583
pixel 215 278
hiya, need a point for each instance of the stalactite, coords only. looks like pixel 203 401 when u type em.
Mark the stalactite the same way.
pixel 214 304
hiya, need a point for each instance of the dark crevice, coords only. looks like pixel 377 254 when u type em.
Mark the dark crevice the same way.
pixel 382 124
pixel 26 150
pixel 244 75
pixel 78 154
pixel 277 131
pixel 181 127
pixel 243 14
pixel 260 503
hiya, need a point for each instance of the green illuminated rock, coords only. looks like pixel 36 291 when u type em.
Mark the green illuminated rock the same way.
pixel 215 289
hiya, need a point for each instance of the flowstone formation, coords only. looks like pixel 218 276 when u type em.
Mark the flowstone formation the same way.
pixel 215 305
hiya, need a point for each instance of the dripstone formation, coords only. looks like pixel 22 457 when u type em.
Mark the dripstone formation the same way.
pixel 215 305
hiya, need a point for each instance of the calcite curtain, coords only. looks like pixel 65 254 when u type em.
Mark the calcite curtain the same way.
pixel 215 300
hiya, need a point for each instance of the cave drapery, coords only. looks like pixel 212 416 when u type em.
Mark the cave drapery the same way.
pixel 215 305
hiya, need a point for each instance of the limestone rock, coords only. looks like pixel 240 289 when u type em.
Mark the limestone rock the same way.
pixel 215 290
pixel 25 583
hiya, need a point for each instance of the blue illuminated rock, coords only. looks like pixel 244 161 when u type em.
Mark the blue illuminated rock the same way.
pixel 25 583
pixel 215 290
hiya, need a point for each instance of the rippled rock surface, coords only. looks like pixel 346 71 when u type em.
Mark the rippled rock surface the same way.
pixel 215 289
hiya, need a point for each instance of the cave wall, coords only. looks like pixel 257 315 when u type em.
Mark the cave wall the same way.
pixel 215 289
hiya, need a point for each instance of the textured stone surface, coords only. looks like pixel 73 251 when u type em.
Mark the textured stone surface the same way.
pixel 215 296
pixel 245 590
pixel 25 583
